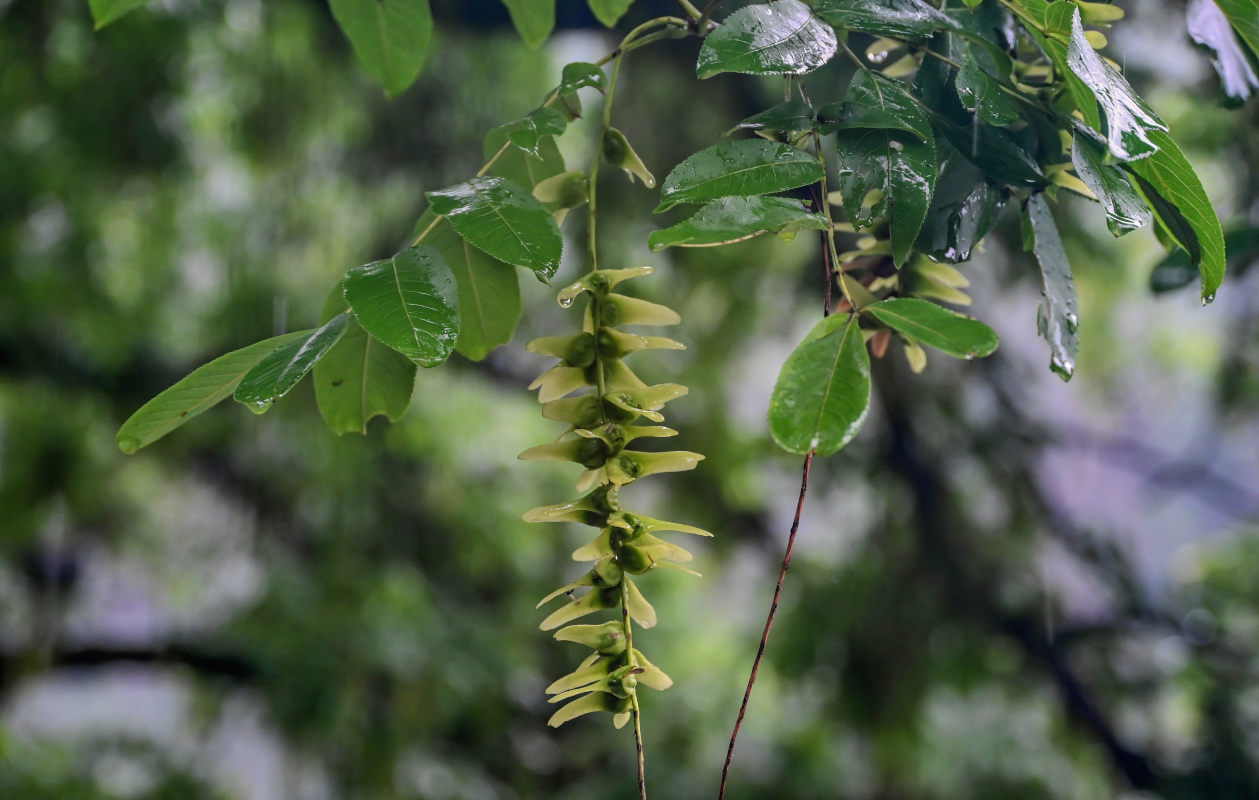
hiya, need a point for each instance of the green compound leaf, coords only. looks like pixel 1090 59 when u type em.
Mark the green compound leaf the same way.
pixel 360 378
pixel 734 219
pixel 782 38
pixel 1181 205
pixel 283 367
pixel 489 294
pixel 1125 210
pixel 901 19
pixel 534 19
pixel 885 174
pixel 204 387
pixel 1058 317
pixel 409 302
pixel 609 12
pixel 929 324
pixel 875 101
pixel 106 11
pixel 390 37
pixel 823 391
pixel 505 221
pixel 742 167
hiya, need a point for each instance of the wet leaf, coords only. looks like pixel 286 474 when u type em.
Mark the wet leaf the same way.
pixel 1175 192
pixel 520 167
pixel 527 133
pixel 201 389
pixel 782 38
pixel 360 378
pixel 409 302
pixel 935 326
pixel 982 94
pixel 504 220
pixel 1058 318
pixel 1125 210
pixel 734 219
pixel 898 171
pixel 875 101
pixel 282 368
pixel 1176 270
pixel 1210 27
pixel 534 19
pixel 901 19
pixel 790 116
pixel 390 37
pixel 489 292
pixel 743 167
pixel 823 391
pixel 963 209
pixel 1127 121
pixel 106 11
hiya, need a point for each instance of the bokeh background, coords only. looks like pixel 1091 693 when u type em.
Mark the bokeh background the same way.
pixel 1007 587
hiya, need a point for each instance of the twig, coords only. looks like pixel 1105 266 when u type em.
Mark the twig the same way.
pixel 769 622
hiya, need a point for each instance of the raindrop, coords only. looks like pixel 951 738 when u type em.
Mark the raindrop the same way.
pixel 566 302
pixel 1073 322
pixel 1208 299
pixel 897 146
pixel 877 57
pixel 1064 367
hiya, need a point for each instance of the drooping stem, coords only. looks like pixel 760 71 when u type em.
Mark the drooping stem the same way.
pixel 769 622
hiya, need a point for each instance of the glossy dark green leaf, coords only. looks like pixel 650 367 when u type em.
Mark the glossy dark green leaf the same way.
pixel 1244 17
pixel 609 12
pixel 527 133
pixel 489 294
pixel 733 219
pixel 874 101
pixel 390 37
pixel 580 75
pixel 1059 314
pixel 1000 156
pixel 742 167
pixel 504 220
pixel 887 175
pixel 282 368
pixel 963 209
pixel 782 38
pixel 1176 270
pixel 983 94
pixel 935 326
pixel 106 11
pixel 1174 190
pixel 534 19
pixel 1125 210
pixel 789 116
pixel 520 167
pixel 900 19
pixel 360 378
pixel 1210 27
pixel 204 387
pixel 823 391
pixel 409 302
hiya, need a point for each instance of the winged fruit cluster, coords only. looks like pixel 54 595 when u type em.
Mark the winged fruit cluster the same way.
pixel 602 424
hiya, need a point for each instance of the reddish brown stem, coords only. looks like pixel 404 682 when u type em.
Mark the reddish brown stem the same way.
pixel 769 622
